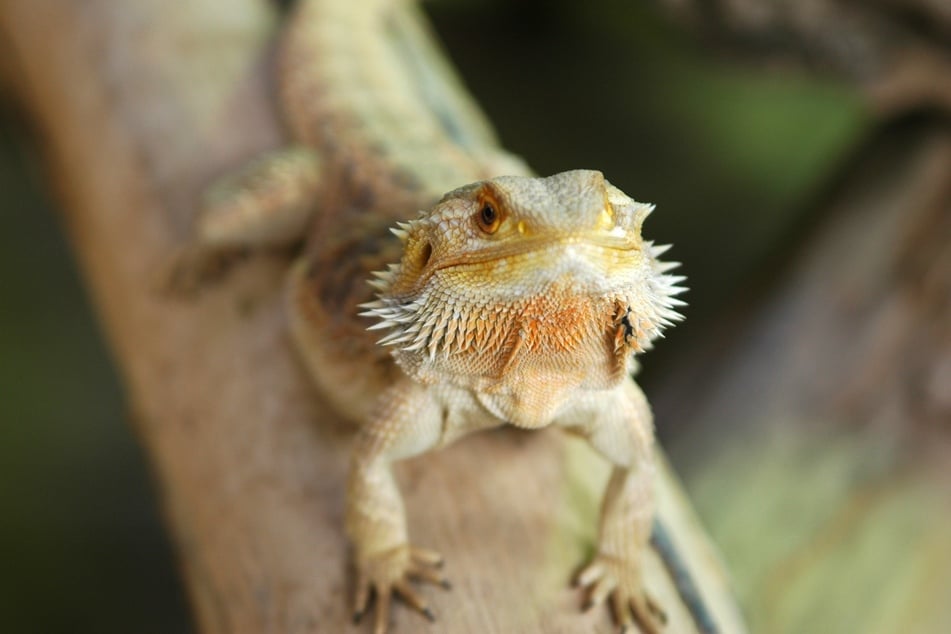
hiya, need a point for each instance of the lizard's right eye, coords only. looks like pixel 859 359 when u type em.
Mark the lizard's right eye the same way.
pixel 489 218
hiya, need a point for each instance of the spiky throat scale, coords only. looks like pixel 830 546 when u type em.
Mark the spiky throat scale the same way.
pixel 494 325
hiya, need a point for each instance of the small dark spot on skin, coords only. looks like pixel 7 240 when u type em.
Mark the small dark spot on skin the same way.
pixel 628 328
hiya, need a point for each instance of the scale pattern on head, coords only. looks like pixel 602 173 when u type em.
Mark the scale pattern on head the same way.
pixel 514 269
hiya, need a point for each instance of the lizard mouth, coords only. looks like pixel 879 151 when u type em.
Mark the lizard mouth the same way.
pixel 594 248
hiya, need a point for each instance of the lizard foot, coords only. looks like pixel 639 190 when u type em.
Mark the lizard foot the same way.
pixel 620 579
pixel 193 267
pixel 390 572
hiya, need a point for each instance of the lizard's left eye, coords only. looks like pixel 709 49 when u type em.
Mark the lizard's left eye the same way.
pixel 489 218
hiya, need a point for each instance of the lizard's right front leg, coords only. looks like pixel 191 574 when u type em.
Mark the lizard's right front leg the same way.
pixel 408 422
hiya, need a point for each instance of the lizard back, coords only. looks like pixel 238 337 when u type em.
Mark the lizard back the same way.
pixel 395 133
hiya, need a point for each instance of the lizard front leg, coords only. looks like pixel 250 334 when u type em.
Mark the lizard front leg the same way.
pixel 266 203
pixel 409 421
pixel 619 425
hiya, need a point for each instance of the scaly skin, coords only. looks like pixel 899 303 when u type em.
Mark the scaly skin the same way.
pixel 522 301
pixel 392 141
pixel 512 300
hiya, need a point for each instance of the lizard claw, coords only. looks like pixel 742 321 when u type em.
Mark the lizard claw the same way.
pixel 388 573
pixel 193 267
pixel 621 581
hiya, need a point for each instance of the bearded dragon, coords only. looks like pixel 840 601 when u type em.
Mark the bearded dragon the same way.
pixel 510 300
pixel 518 300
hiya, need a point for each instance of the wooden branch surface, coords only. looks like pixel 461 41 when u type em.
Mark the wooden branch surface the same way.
pixel 139 105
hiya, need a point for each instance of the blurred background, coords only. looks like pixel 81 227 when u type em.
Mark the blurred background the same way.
pixel 799 161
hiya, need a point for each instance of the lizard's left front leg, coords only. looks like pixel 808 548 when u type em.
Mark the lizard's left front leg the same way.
pixel 619 425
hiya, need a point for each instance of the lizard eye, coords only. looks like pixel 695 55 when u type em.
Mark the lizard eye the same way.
pixel 489 218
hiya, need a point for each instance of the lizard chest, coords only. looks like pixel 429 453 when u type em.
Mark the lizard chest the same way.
pixel 522 359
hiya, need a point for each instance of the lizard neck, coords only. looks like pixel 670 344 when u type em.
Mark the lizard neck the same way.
pixel 524 360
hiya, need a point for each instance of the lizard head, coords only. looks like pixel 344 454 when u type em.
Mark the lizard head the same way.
pixel 502 268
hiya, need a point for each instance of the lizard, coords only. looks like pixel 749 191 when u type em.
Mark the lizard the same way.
pixel 519 300
pixel 511 299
